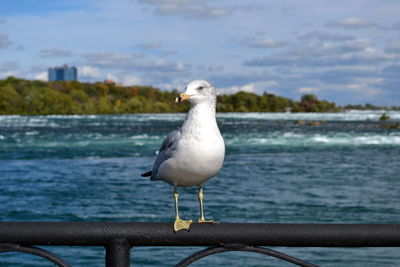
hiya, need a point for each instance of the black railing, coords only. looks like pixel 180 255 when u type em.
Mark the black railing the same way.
pixel 119 238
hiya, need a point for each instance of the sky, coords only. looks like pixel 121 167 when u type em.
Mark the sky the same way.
pixel 342 51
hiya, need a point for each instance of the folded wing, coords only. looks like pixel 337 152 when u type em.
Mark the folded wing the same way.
pixel 166 151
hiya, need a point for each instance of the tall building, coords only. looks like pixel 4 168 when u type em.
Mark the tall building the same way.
pixel 63 73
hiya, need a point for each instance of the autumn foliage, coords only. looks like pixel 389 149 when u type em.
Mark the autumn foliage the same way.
pixel 18 96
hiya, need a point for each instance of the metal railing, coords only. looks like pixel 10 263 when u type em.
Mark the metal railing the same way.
pixel 119 238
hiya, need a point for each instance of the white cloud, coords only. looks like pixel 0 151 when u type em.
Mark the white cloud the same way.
pixel 210 68
pixel 130 80
pixel 6 66
pixel 353 23
pixel 326 54
pixel 257 87
pixel 266 43
pixel 42 76
pixel 5 74
pixel 250 88
pixel 214 68
pixel 4 41
pixel 324 36
pixel 190 9
pixel 54 52
pixel 152 45
pixel 131 61
pixel 161 65
pixel 9 69
pixel 393 47
pixel 308 90
pixel 112 77
pixel 125 79
pixel 110 59
pixel 365 87
pixel 89 72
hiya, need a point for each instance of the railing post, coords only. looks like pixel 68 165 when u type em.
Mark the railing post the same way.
pixel 118 253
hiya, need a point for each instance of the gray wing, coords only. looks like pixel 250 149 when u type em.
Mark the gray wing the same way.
pixel 166 150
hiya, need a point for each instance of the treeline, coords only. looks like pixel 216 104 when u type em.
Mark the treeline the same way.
pixel 249 102
pixel 25 97
pixel 370 107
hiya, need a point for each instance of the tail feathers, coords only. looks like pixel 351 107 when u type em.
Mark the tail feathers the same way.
pixel 147 174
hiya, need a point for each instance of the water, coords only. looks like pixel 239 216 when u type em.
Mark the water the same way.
pixel 86 168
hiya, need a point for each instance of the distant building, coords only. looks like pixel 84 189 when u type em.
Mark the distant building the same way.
pixel 63 73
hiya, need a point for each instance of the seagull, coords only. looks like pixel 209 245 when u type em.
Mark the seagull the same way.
pixel 193 153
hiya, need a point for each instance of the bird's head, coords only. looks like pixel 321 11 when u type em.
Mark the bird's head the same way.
pixel 197 92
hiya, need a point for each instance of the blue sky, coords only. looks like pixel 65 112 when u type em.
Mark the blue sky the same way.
pixel 342 51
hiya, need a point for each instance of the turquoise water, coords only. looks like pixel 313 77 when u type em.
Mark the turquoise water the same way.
pixel 87 168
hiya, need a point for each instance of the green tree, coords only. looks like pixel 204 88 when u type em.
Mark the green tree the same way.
pixel 10 100
pixel 18 96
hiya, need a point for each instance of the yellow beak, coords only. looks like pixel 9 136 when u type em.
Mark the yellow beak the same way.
pixel 182 97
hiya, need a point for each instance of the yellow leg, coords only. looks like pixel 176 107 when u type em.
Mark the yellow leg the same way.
pixel 179 224
pixel 202 219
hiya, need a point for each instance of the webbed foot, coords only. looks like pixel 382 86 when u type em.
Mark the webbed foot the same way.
pixel 180 224
pixel 202 220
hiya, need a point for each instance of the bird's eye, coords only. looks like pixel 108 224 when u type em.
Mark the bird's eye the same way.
pixel 201 88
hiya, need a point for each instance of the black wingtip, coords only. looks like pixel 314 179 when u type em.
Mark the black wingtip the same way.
pixel 147 174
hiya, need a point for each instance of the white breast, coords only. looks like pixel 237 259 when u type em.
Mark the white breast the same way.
pixel 199 155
